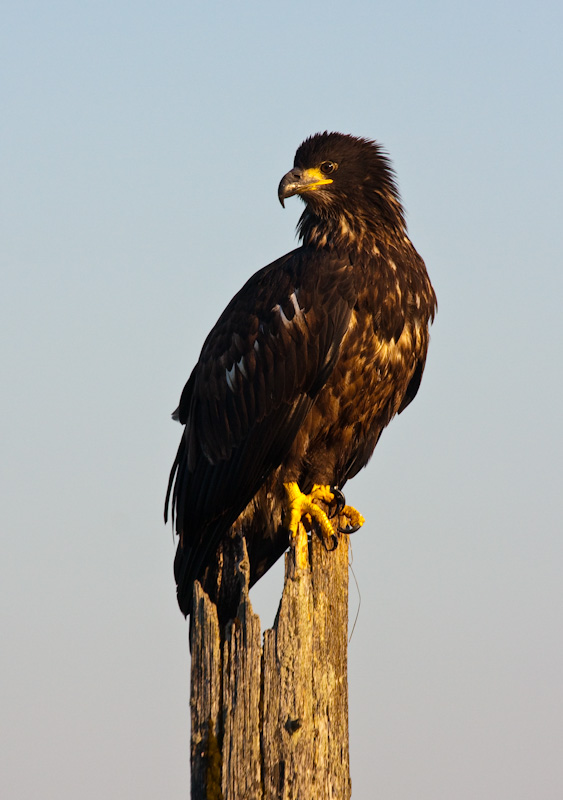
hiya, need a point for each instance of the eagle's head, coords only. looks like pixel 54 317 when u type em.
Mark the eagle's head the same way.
pixel 347 184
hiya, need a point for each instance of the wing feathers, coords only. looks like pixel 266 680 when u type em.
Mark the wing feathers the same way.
pixel 258 374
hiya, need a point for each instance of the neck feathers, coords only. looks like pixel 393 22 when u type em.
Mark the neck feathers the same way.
pixel 353 225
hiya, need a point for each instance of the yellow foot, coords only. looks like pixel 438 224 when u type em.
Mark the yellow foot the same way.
pixel 305 506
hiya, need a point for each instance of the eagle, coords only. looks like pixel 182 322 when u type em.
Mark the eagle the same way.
pixel 303 370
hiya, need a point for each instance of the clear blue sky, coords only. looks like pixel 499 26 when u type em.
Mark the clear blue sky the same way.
pixel 141 146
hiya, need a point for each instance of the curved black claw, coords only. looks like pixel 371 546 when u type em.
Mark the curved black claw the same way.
pixel 325 540
pixel 349 529
pixel 334 544
pixel 339 501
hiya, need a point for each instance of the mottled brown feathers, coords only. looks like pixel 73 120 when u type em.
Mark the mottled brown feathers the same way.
pixel 307 364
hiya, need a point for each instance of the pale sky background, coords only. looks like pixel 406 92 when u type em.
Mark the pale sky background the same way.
pixel 141 145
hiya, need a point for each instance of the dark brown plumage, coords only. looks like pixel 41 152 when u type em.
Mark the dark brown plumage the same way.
pixel 305 367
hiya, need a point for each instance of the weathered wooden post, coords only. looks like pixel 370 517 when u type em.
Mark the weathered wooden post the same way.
pixel 271 722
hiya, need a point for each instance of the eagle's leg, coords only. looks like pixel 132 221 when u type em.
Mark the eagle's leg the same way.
pixel 302 505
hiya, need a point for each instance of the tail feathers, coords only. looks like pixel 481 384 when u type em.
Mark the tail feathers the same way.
pixel 185 577
pixel 205 563
pixel 172 489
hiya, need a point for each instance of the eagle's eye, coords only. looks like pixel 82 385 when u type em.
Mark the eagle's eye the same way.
pixel 327 167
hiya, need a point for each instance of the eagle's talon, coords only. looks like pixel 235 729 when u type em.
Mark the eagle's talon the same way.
pixel 355 519
pixel 339 501
pixel 326 540
pixel 349 529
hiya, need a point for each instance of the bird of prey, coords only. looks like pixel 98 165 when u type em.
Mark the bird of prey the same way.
pixel 303 370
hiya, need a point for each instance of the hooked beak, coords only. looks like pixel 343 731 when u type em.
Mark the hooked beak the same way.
pixel 298 181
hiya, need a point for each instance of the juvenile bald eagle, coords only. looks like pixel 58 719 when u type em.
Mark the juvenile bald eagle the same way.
pixel 304 369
